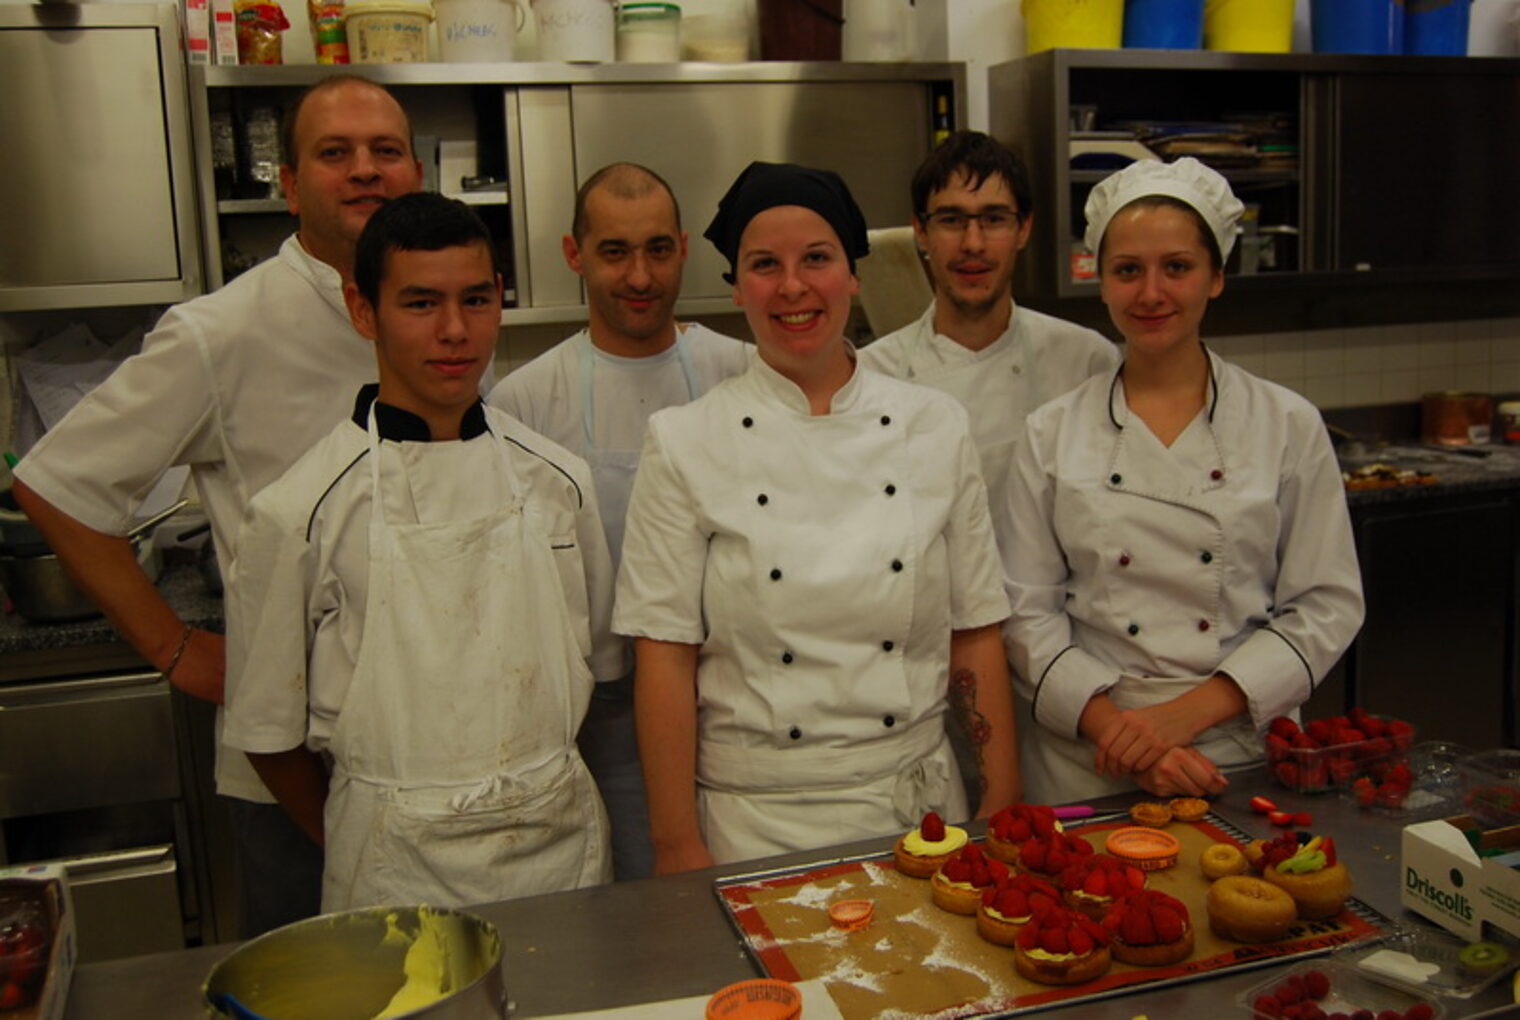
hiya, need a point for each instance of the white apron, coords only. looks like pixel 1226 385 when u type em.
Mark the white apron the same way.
pixel 1164 516
pixel 456 778
pixel 996 398
pixel 756 802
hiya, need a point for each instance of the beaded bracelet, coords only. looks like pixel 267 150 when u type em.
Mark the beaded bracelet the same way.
pixel 184 640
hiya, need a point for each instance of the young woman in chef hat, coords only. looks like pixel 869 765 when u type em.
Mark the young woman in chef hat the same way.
pixel 1181 567
pixel 809 562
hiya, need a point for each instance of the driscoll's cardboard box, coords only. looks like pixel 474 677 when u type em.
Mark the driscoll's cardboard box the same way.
pixel 1445 879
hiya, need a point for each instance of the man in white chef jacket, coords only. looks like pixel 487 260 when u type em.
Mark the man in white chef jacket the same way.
pixel 593 394
pixel 415 603
pixel 236 384
pixel 972 214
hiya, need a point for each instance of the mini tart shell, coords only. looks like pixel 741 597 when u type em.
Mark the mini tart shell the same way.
pixel 915 866
pixel 998 930
pixel 1162 954
pixel 1188 809
pixel 1146 848
pixel 1064 972
pixel 1319 895
pixel 948 896
pixel 1151 814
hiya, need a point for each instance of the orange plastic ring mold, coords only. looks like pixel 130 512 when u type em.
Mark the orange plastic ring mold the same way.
pixel 1146 849
pixel 851 915
pixel 759 999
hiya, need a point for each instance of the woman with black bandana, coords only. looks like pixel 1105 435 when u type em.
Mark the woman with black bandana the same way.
pixel 809 570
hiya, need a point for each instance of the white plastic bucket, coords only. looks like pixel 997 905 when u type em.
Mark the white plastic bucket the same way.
pixel 477 31
pixel 387 31
pixel 580 31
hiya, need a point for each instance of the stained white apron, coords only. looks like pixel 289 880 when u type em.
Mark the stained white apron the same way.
pixel 456 778
pixel 755 802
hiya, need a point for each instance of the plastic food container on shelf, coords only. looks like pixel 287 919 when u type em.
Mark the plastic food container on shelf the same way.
pixel 1423 961
pixel 387 31
pixel 1491 787
pixel 26 940
pixel 649 33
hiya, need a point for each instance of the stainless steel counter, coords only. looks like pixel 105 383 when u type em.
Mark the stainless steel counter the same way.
pixel 667 938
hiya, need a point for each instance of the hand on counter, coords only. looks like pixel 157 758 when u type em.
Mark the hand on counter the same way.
pixel 686 857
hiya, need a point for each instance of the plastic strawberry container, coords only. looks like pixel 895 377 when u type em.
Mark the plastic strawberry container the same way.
pixel 1337 766
pixel 25 942
pixel 1491 787
pixel 1349 992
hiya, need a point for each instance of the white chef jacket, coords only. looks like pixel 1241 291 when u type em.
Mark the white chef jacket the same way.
pixel 237 384
pixel 735 494
pixel 296 604
pixel 547 396
pixel 1038 358
pixel 1230 551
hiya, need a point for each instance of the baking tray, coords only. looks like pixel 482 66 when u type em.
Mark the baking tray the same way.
pixel 916 960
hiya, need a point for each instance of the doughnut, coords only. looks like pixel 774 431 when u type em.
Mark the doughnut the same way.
pixel 1246 909
pixel 1152 814
pixel 1254 851
pixel 1319 895
pixel 1222 859
pixel 1188 809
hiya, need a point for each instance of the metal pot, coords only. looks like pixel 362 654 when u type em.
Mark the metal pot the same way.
pixel 42 590
pixel 348 966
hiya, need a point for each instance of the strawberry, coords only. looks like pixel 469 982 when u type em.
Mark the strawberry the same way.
pixel 1284 727
pixel 979 875
pixel 1267 1007
pixel 932 828
pixel 1042 901
pixel 1303 819
pixel 1420 1011
pixel 1094 929
pixel 1365 791
pixel 1033 853
pixel 1262 805
pixel 1321 732
pixel 1391 794
pixel 1328 846
pixel 1341 769
pixel 1313 1012
pixel 1373 726
pixel 1286 773
pixel 957 870
pixel 1316 774
pixel 1080 941
pixel 1029 938
pixel 1399 775
pixel 1317 982
pixel 1362 1014
pixel 1096 883
pixel 1055 940
pixel 1135 876
pixel 1389 1014
pixel 1401 734
pixel 11 996
pixel 1289 992
pixel 1012 903
pixel 972 853
pixel 1169 924
pixel 1277 747
pixel 1137 929
pixel 1282 818
pixel 1304 741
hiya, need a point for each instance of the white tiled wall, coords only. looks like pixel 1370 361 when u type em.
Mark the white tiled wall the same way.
pixel 1384 364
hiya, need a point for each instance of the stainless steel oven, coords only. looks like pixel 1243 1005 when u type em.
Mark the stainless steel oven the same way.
pixel 93 773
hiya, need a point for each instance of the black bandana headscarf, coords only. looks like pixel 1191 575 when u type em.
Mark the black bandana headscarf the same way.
pixel 763 186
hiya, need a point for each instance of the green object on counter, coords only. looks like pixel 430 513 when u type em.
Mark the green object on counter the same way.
pixel 11 460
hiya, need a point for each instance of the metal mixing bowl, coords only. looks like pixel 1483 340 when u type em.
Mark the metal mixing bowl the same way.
pixel 341 967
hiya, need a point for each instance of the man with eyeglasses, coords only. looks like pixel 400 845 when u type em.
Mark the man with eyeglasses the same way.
pixel 972 214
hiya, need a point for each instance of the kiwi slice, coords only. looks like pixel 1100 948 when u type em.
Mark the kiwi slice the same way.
pixel 1483 958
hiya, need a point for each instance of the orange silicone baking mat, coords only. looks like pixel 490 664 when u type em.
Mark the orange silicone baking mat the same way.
pixel 916 960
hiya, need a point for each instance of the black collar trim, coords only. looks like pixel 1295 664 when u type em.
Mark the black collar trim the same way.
pixel 1213 389
pixel 405 427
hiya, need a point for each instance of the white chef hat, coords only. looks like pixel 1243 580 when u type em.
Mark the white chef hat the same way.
pixel 1186 180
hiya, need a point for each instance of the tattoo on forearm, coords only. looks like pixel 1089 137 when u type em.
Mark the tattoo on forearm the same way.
pixel 978 730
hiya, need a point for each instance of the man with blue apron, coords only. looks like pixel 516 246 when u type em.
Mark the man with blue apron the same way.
pixel 593 394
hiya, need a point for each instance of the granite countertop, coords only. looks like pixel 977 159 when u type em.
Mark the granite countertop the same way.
pixel 1456 473
pixel 179 583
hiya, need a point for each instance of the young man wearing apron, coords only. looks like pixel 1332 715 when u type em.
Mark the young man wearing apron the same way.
pixel 410 650
pixel 593 394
